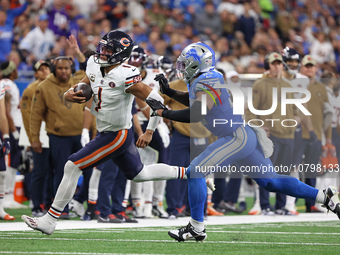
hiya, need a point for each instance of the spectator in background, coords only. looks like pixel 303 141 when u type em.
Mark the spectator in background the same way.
pixel 309 146
pixel 246 24
pixel 6 34
pixel 321 49
pixel 58 20
pixel 12 13
pixel 41 164
pixel 208 23
pixel 64 120
pixel 38 43
pixel 115 11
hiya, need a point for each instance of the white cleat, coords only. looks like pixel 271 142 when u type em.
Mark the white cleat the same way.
pixel 76 207
pixel 210 184
pixel 187 233
pixel 332 200
pixel 256 210
pixel 158 210
pixel 40 224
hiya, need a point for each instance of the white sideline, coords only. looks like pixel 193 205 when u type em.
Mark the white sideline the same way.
pixel 212 220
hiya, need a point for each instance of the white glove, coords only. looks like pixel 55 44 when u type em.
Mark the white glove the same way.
pixel 164 132
pixel 85 137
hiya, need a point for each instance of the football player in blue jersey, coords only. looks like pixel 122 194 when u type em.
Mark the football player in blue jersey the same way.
pixel 247 147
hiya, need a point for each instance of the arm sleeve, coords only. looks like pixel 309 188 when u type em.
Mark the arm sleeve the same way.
pixel 154 121
pixel 188 115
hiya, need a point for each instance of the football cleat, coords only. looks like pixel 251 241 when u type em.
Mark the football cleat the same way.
pixel 109 219
pixel 123 217
pixel 211 210
pixel 210 184
pixel 40 224
pixel 228 207
pixel 332 200
pixel 187 233
pixel 256 210
pixel 76 207
pixel 284 211
pixel 158 210
pixel 7 217
pixel 267 212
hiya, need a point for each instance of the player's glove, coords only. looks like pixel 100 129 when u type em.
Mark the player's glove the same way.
pixel 155 105
pixel 164 85
pixel 312 137
pixel 5 147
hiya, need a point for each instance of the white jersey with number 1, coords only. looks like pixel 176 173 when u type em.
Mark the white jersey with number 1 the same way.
pixel 111 103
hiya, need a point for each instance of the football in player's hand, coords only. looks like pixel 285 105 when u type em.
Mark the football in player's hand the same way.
pixel 87 91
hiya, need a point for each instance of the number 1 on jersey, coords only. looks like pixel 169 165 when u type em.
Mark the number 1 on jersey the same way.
pixel 99 99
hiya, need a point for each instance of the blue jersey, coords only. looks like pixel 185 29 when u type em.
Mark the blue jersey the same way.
pixel 220 119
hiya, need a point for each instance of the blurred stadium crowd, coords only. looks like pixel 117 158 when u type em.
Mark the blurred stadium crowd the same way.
pixel 240 32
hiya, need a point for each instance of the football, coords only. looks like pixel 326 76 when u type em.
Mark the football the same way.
pixel 87 91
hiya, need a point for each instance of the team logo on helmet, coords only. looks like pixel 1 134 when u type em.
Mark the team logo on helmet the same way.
pixel 193 53
pixel 125 42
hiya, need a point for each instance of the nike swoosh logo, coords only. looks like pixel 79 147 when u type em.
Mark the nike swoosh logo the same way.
pixel 133 70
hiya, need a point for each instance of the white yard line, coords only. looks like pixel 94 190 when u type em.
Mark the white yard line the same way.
pixel 169 241
pixel 213 220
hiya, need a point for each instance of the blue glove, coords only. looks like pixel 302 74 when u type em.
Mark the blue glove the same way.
pixel 312 137
pixel 5 147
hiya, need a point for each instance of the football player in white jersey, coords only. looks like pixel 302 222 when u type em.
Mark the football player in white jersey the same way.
pixel 114 85
pixel 5 148
pixel 12 104
pixel 153 191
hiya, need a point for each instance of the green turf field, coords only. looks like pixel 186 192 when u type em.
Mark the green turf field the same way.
pixel 273 238
pixel 259 238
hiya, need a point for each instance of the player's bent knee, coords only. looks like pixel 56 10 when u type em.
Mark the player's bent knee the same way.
pixel 70 166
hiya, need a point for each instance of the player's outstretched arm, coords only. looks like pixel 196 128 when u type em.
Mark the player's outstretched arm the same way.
pixel 143 92
pixel 180 96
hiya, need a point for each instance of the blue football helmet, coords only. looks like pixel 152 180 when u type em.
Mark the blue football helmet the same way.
pixel 194 59
pixel 289 54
